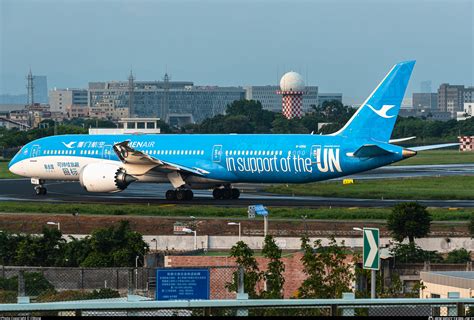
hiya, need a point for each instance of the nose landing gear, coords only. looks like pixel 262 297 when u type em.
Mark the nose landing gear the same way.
pixel 40 190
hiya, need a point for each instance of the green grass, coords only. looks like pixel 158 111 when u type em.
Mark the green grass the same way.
pixel 438 157
pixel 4 172
pixel 437 188
pixel 441 214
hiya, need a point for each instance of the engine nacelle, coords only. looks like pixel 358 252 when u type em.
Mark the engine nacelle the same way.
pixel 100 177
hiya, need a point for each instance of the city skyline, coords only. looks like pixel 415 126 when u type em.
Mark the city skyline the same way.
pixel 204 42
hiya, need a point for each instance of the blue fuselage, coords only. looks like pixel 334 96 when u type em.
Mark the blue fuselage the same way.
pixel 276 158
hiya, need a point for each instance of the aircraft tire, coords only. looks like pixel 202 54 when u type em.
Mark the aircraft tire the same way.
pixel 40 191
pixel 180 195
pixel 189 195
pixel 235 193
pixel 170 195
pixel 217 193
pixel 227 193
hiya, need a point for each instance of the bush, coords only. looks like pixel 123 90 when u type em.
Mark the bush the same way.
pixel 72 295
pixel 8 296
pixel 35 284
pixel 105 293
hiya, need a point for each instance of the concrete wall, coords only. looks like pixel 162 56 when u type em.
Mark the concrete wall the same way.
pixel 186 242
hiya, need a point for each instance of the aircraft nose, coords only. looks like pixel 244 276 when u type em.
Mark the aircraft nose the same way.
pixel 15 168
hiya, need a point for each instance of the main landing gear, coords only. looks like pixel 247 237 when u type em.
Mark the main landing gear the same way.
pixel 226 193
pixel 179 194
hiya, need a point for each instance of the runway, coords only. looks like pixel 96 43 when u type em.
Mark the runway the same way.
pixel 21 189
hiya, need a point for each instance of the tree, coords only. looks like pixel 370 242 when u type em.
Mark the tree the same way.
pixel 44 250
pixel 328 273
pixel 245 259
pixel 115 247
pixel 458 256
pixel 411 253
pixel 8 247
pixel 409 220
pixel 274 274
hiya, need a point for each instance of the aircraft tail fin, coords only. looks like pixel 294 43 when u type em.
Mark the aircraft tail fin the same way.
pixel 376 117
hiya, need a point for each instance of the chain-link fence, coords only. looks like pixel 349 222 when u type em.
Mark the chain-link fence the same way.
pixel 40 279
pixel 140 280
pixel 378 307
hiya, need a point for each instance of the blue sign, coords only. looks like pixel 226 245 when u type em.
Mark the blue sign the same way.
pixel 182 284
pixel 261 210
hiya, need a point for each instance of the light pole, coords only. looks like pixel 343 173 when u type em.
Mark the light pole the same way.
pixel 136 272
pixel 156 243
pixel 187 230
pixel 305 226
pixel 236 224
pixel 54 224
pixel 372 272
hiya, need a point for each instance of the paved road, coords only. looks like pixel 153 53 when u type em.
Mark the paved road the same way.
pixel 15 190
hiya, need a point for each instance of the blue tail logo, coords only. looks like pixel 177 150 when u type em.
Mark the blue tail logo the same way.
pixel 375 119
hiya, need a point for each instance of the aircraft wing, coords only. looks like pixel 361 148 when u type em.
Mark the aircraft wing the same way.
pixel 434 146
pixel 131 156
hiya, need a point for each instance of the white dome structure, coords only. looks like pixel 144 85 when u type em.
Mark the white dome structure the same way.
pixel 292 81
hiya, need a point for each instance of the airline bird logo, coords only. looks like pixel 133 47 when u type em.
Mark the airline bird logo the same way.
pixel 383 111
pixel 69 145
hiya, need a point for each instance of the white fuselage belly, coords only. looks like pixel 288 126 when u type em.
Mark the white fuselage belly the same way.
pixel 56 168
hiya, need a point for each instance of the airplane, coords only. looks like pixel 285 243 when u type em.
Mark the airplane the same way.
pixel 110 163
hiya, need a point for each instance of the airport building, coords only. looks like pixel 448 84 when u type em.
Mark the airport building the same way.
pixel 440 284
pixel 62 100
pixel 165 98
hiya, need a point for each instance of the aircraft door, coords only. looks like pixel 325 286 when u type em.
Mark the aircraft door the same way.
pixel 107 152
pixel 217 153
pixel 34 151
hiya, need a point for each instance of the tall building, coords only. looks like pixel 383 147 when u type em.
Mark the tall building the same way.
pixel 450 98
pixel 152 98
pixel 469 94
pixel 60 100
pixel 425 101
pixel 40 84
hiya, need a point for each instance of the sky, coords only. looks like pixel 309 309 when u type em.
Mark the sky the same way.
pixel 340 46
